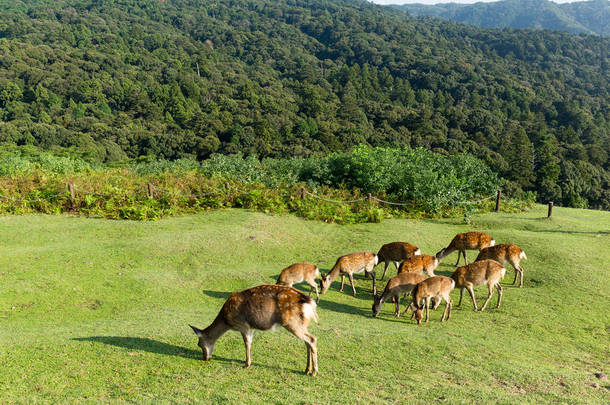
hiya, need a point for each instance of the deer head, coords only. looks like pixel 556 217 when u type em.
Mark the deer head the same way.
pixel 206 344
pixel 324 283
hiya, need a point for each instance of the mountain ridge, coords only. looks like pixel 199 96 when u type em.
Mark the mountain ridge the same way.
pixel 588 17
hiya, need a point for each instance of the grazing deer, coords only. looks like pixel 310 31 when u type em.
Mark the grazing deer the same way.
pixel 466 241
pixel 350 264
pixel 264 307
pixel 396 252
pixel 395 288
pixel 435 288
pixel 299 272
pixel 481 272
pixel 424 264
pixel 506 253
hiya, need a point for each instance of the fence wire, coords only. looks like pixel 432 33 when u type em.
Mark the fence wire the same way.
pixel 29 201
pixel 335 201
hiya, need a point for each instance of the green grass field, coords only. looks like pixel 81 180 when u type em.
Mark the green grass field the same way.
pixel 98 311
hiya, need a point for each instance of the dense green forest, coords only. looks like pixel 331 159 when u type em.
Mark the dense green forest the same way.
pixel 111 80
pixel 588 17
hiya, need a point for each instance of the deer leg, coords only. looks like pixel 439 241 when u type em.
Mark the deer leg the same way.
pixel 445 310
pixel 461 295
pixel 397 302
pixel 516 274
pixel 450 303
pixel 465 260
pixel 427 303
pixel 435 303
pixel 459 254
pixel 247 335
pixel 315 286
pixel 491 291
pixel 351 280
pixel 520 276
pixel 342 281
pixel 474 300
pixel 406 311
pixel 499 288
pixel 387 264
pixel 312 348
pixel 374 282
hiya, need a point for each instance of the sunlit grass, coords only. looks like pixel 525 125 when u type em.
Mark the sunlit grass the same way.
pixel 98 310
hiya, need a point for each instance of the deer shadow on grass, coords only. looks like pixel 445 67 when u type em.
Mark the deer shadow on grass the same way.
pixel 217 294
pixel 147 345
pixel 157 347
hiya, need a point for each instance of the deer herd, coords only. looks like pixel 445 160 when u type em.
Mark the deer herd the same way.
pixel 267 307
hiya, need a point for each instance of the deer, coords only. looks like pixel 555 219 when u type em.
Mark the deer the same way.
pixel 348 265
pixel 396 252
pixel 506 253
pixel 435 288
pixel 395 288
pixel 423 264
pixel 466 241
pixel 299 272
pixel 480 272
pixel 263 307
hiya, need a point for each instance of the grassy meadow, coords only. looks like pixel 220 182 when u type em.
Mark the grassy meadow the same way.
pixel 95 310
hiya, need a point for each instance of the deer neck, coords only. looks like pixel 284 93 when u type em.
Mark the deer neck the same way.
pixel 216 329
pixel 334 273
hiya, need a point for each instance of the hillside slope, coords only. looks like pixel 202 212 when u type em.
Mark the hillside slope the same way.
pixel 121 79
pixel 98 311
pixel 588 17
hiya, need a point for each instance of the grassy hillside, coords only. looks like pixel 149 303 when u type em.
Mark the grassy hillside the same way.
pixel 97 310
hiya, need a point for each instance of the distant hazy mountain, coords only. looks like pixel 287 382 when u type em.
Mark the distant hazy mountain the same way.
pixel 591 17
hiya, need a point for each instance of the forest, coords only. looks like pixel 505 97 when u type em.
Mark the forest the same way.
pixel 111 81
pixel 588 17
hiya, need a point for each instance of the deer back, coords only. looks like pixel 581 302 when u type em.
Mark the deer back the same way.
pixel 297 272
pixel 397 251
pixel 478 273
pixel 266 306
pixel 502 253
pixel 471 240
pixel 419 263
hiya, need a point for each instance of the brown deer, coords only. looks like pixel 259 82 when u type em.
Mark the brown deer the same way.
pixel 424 264
pixel 348 265
pixel 481 272
pixel 299 272
pixel 506 253
pixel 435 288
pixel 264 307
pixel 466 241
pixel 396 252
pixel 395 288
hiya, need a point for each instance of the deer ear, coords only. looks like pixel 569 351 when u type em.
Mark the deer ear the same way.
pixel 197 331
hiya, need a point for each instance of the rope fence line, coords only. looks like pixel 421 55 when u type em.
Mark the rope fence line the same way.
pixel 29 201
pixel 333 201
pixel 392 203
pixel 150 189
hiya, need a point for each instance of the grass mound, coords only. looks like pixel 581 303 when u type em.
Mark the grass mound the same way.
pixel 95 310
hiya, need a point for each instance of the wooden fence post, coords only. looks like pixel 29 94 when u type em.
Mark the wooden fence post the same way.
pixel 150 190
pixel 302 194
pixel 550 209
pixel 370 197
pixel 498 200
pixel 227 188
pixel 72 195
